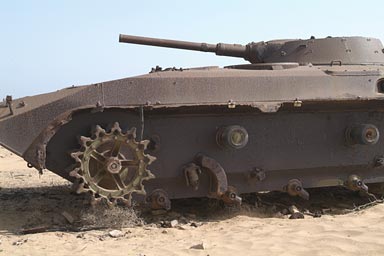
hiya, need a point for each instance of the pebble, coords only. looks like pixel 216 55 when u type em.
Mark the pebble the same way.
pixel 174 223
pixel 81 235
pixel 115 233
pixel 296 215
pixel 199 246
pixel 194 224
pixel 20 242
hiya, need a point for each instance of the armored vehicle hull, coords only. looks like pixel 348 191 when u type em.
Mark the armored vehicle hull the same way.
pixel 216 132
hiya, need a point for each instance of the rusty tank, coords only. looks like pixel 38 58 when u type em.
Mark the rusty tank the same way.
pixel 302 114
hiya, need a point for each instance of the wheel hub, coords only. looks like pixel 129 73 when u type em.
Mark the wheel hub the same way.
pixel 113 165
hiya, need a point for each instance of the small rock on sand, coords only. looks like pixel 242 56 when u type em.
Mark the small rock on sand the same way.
pixel 115 233
pixel 174 223
pixel 20 242
pixel 200 246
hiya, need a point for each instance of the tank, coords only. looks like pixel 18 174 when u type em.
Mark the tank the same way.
pixel 302 114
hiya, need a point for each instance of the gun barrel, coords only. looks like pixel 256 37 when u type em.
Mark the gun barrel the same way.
pixel 167 43
pixel 234 50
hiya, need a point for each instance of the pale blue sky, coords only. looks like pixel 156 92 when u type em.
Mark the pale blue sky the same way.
pixel 48 45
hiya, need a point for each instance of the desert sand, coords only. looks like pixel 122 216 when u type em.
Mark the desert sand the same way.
pixel 28 199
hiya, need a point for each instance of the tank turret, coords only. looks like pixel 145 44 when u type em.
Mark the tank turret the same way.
pixel 324 51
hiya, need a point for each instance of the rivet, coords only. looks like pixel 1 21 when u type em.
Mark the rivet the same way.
pixel 231 104
pixel 297 103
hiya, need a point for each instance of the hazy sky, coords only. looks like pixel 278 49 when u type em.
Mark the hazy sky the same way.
pixel 48 45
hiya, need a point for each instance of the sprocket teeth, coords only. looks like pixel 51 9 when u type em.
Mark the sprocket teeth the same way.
pixel 111 201
pixel 95 201
pixel 116 128
pixel 76 156
pixel 150 175
pixel 84 141
pixel 75 173
pixel 81 188
pixel 127 201
pixel 147 175
pixel 140 190
pixel 132 132
pixel 99 131
pixel 149 159
pixel 145 143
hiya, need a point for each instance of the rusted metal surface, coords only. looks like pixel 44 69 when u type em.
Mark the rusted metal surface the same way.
pixel 305 113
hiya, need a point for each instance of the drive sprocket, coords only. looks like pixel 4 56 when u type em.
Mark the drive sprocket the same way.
pixel 112 165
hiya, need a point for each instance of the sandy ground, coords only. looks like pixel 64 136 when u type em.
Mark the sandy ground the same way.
pixel 28 200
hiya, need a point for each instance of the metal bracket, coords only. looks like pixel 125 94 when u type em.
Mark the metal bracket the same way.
pixel 191 173
pixel 334 62
pixel 8 102
pixel 141 111
pixel 219 184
